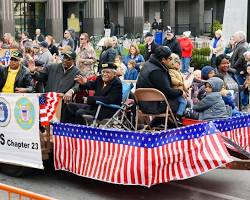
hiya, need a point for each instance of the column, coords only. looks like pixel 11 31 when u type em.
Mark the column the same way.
pixel 7 24
pixel 201 17
pixel 248 22
pixel 133 16
pixel 234 19
pixel 172 13
pixel 54 19
pixel 93 20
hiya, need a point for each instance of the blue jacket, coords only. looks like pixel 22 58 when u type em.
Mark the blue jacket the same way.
pixel 138 59
pixel 131 74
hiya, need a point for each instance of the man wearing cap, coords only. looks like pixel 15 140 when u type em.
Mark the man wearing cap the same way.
pixel 108 89
pixel 15 78
pixel 171 41
pixel 45 56
pixel 59 77
pixel 151 45
pixel 154 74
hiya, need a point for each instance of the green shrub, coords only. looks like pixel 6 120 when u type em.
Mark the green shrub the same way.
pixel 200 57
pixel 205 51
pixel 142 48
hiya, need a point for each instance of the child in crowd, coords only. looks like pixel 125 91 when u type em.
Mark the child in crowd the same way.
pixel 196 86
pixel 174 68
pixel 131 73
pixel 212 105
pixel 121 67
pixel 206 73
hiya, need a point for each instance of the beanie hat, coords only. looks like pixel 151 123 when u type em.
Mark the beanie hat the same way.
pixel 174 60
pixel 205 70
pixel 162 52
pixel 187 33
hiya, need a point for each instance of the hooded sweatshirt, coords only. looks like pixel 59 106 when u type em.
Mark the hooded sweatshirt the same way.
pixel 212 105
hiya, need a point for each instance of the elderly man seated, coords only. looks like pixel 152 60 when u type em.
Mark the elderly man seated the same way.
pixel 108 89
pixel 15 78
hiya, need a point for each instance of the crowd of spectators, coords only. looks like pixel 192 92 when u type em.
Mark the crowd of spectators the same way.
pixel 39 65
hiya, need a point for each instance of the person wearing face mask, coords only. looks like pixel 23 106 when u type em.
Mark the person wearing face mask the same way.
pixel 15 78
pixel 59 77
pixel 108 89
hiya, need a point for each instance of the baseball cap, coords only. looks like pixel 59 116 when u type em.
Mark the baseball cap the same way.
pixel 162 52
pixel 109 65
pixel 16 54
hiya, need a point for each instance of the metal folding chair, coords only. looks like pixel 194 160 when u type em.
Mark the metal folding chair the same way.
pixel 119 119
pixel 152 95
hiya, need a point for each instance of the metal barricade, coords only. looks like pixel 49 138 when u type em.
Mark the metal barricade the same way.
pixel 13 193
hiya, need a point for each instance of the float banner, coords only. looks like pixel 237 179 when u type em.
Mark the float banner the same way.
pixel 19 130
pixel 133 158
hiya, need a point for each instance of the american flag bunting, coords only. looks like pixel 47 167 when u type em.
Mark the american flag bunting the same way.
pixel 131 158
pixel 48 104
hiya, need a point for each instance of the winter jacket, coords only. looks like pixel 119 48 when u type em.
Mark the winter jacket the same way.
pixel 57 79
pixel 154 75
pixel 131 74
pixel 186 47
pixel 212 105
pixel 110 94
pixel 174 46
pixel 237 59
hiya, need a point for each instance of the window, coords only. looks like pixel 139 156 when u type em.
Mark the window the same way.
pixel 28 17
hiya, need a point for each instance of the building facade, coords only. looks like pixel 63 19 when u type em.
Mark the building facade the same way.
pixel 54 16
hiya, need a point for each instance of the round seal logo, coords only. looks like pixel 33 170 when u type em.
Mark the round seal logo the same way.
pixel 4 112
pixel 24 113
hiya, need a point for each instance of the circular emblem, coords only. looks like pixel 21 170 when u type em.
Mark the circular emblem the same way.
pixel 4 112
pixel 24 113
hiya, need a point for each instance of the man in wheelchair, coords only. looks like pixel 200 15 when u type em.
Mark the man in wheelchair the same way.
pixel 108 90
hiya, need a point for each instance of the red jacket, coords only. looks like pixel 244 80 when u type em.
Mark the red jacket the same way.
pixel 186 47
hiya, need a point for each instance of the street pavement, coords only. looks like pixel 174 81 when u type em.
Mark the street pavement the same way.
pixel 217 184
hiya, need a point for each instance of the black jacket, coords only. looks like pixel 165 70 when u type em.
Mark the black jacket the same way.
pixel 110 94
pixel 150 49
pixel 53 50
pixel 155 75
pixel 174 45
pixel 107 56
pixel 23 78
pixel 58 80
pixel 237 59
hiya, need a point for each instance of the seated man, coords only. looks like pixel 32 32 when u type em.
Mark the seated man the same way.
pixel 108 89
pixel 15 78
